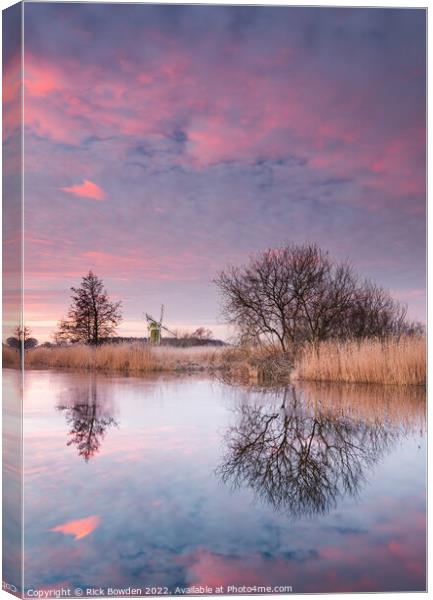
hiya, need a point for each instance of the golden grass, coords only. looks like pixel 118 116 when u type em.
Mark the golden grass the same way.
pixel 246 364
pixel 10 357
pixel 401 362
pixel 127 358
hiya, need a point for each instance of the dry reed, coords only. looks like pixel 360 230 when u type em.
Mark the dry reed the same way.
pixel 401 362
pixel 127 358
pixel 234 363
pixel 10 357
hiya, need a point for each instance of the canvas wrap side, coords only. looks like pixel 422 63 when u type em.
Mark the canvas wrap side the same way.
pixel 12 297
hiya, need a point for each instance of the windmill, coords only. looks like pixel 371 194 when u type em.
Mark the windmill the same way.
pixel 155 328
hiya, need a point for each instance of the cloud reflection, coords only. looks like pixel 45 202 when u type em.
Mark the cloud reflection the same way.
pixel 79 528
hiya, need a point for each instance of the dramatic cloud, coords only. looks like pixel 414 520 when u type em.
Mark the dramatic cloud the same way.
pixel 216 132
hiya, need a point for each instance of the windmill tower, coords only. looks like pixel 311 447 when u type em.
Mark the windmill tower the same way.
pixel 155 328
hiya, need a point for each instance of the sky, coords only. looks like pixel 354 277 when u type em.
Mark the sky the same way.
pixel 165 142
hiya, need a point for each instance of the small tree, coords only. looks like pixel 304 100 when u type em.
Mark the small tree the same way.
pixel 22 338
pixel 202 334
pixel 91 316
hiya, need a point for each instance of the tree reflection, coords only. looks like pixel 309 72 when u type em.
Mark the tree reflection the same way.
pixel 298 457
pixel 88 415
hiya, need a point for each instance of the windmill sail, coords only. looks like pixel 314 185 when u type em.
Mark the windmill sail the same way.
pixel 155 327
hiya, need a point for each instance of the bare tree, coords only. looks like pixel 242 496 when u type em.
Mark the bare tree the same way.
pixel 260 298
pixel 295 294
pixel 91 316
pixel 202 334
pixel 199 337
pixel 376 314
pixel 325 296
pixel 22 339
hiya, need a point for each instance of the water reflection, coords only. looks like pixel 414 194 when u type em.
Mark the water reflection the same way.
pixel 88 414
pixel 148 507
pixel 302 449
pixel 12 479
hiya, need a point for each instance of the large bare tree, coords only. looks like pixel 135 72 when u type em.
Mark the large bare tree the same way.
pixel 297 293
pixel 92 315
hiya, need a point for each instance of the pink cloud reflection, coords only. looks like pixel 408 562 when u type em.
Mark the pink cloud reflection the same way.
pixel 79 528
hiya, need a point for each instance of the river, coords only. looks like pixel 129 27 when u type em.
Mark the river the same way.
pixel 174 482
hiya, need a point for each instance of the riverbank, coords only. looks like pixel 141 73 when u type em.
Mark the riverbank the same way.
pixel 401 362
pixel 254 364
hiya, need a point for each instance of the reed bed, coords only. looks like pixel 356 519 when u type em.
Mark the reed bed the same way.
pixel 394 361
pixel 248 364
pixel 10 357
pixel 401 362
pixel 126 358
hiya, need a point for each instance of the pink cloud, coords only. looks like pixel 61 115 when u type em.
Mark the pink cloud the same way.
pixel 11 100
pixel 87 189
pixel 242 113
pixel 247 109
pixel 79 528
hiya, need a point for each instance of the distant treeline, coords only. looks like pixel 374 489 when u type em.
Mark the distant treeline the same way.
pixel 185 342
pixel 180 342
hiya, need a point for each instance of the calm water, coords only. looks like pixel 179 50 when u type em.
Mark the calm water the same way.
pixel 181 482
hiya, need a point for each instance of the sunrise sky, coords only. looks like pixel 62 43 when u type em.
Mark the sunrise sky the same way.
pixel 163 142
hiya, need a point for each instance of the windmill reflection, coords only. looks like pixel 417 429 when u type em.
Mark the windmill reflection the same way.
pixel 89 416
pixel 298 456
